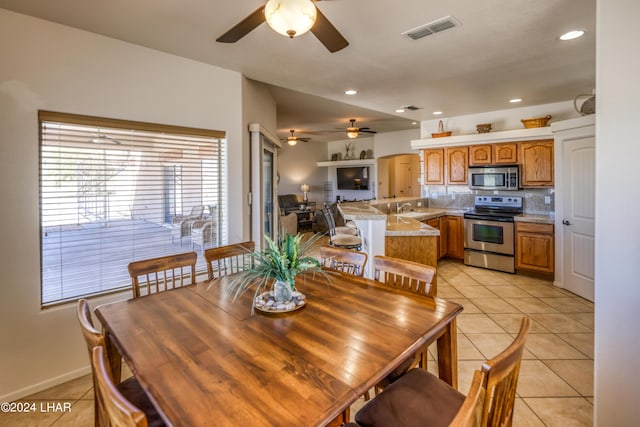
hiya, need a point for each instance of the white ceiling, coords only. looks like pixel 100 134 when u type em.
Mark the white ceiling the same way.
pixel 502 50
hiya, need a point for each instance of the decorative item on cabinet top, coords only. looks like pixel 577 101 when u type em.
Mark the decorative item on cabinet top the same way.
pixel 587 107
pixel 538 122
pixel 441 132
pixel 483 127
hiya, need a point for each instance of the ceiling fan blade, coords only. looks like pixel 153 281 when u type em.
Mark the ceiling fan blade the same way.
pixel 328 35
pixel 244 27
pixel 367 131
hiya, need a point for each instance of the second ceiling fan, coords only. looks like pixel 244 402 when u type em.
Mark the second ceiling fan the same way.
pixel 284 16
pixel 353 131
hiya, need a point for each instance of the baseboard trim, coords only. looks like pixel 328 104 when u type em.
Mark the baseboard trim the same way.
pixel 35 388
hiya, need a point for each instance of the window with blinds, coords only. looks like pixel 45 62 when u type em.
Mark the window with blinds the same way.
pixel 113 191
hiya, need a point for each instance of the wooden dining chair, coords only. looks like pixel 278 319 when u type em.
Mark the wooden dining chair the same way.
pixel 159 274
pixel 468 415
pixel 419 398
pixel 408 275
pixel 229 259
pixel 116 409
pixel 343 260
pixel 129 389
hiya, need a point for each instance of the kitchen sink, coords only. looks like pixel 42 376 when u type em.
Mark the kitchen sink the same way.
pixel 411 214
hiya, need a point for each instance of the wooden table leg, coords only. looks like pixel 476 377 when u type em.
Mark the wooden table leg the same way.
pixel 448 355
pixel 114 357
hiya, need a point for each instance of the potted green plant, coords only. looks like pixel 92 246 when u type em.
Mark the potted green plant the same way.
pixel 273 273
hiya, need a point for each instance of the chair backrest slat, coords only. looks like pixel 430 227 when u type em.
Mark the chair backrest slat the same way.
pixel 343 260
pixel 403 274
pixel 229 259
pixel 162 273
pixel 471 412
pixel 118 411
pixel 502 379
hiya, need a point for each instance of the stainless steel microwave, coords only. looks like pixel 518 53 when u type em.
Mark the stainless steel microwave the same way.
pixel 494 177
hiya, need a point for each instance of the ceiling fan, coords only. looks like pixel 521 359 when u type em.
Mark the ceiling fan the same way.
pixel 353 131
pixel 293 140
pixel 284 16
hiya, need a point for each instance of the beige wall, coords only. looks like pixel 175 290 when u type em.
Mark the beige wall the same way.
pixel 50 66
pixel 297 166
pixel 617 290
pixel 258 106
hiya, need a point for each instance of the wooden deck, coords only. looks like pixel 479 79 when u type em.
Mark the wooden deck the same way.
pixel 95 255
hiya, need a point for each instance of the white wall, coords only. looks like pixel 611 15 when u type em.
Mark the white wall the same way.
pixel 500 120
pixel 390 143
pixel 53 67
pixel 617 291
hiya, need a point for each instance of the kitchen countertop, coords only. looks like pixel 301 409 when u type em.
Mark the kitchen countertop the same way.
pixel 409 223
pixel 397 225
pixel 538 219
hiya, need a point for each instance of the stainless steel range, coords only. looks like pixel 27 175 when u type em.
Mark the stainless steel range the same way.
pixel 489 236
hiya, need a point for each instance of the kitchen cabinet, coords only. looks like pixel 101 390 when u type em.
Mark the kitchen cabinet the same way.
pixel 506 153
pixel 536 158
pixel 440 240
pixel 453 235
pixel 457 165
pixel 433 166
pixel 421 249
pixel 480 155
pixel 534 247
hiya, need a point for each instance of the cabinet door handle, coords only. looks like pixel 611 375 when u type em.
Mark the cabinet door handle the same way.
pixel 566 222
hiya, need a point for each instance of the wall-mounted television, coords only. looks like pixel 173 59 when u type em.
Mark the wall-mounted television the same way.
pixel 354 178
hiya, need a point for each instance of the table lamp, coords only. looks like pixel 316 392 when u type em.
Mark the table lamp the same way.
pixel 305 190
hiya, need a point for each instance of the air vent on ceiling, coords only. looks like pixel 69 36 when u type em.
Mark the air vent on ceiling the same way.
pixel 432 27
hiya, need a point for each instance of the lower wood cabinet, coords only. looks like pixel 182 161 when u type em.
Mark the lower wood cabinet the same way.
pixel 422 249
pixel 440 240
pixel 454 235
pixel 534 247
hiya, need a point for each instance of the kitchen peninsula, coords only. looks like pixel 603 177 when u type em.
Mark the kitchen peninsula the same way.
pixel 400 235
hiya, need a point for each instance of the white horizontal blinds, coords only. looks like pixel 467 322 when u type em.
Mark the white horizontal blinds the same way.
pixel 109 196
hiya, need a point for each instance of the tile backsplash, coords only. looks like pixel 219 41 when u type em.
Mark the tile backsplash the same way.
pixel 454 197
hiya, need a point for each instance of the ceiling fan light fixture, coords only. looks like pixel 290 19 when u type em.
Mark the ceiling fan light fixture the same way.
pixel 290 18
pixel 352 132
pixel 292 140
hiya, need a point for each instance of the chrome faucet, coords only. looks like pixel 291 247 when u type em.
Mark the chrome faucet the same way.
pixel 400 208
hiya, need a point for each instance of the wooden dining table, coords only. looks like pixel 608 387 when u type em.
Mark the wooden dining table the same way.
pixel 204 359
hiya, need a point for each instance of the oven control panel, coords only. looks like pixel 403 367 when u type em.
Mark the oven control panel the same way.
pixel 498 202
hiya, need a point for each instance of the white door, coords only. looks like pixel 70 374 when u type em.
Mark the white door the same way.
pixel 403 179
pixel 579 215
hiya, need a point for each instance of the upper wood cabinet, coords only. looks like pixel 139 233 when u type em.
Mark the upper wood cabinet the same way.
pixel 505 153
pixel 536 158
pixel 433 166
pixel 457 165
pixel 480 155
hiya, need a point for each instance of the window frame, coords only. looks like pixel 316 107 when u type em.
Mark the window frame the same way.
pixel 219 162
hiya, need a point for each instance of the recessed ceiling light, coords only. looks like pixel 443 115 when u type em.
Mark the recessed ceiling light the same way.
pixel 350 92
pixel 437 113
pixel 400 110
pixel 414 123
pixel 572 35
pixel 515 100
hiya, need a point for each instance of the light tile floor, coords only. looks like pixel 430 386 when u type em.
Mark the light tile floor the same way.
pixel 556 378
pixel 555 387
